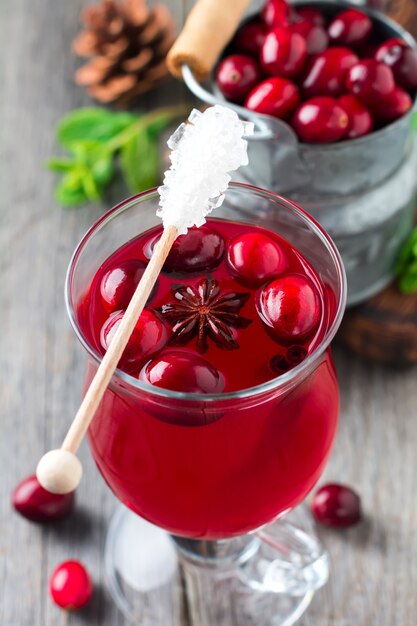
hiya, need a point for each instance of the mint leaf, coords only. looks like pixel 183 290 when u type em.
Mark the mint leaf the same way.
pixel 406 267
pixel 60 165
pixel 92 123
pixel 70 191
pixel 139 162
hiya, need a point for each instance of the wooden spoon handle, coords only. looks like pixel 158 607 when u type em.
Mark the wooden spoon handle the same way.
pixel 209 27
pixel 404 12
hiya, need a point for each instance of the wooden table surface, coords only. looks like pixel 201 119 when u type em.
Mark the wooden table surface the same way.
pixel 374 566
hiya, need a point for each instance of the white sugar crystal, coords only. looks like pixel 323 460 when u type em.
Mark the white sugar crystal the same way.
pixel 204 151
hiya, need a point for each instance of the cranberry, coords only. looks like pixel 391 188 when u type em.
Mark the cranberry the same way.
pixel 290 307
pixel 401 59
pixel 149 336
pixel 311 14
pixel 320 120
pixel 295 355
pixel 370 80
pixel 337 506
pixel 32 501
pixel 275 96
pixel 326 73
pixel 183 370
pixel 249 38
pixel 70 585
pixel 360 118
pixel 200 249
pixel 283 53
pixel 350 28
pixel 275 13
pixel 393 106
pixel 236 76
pixel 255 258
pixel 118 284
pixel 315 36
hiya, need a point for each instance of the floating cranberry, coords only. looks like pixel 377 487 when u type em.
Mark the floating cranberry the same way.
pixel 275 96
pixel 275 13
pixel 249 38
pixel 350 28
pixel 183 370
pixel 311 14
pixel 283 53
pixel 149 336
pixel 360 118
pixel 337 506
pixel 236 76
pixel 200 249
pixel 370 80
pixel 393 106
pixel 32 501
pixel 118 284
pixel 70 585
pixel 254 258
pixel 320 120
pixel 295 355
pixel 315 36
pixel 326 73
pixel 401 59
pixel 290 307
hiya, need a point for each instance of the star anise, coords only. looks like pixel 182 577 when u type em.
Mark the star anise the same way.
pixel 204 312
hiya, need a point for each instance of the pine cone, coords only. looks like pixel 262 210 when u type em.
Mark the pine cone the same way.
pixel 128 42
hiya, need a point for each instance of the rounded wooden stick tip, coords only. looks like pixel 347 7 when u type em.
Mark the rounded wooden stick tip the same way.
pixel 59 471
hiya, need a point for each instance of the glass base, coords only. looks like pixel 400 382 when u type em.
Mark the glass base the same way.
pixel 267 578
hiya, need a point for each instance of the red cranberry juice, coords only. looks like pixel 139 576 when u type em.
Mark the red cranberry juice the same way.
pixel 235 307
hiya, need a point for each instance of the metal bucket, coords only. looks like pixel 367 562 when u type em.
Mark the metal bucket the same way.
pixel 362 191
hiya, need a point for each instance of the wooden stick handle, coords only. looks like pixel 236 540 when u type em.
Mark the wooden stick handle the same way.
pixel 119 342
pixel 209 27
pixel 404 12
pixel 59 471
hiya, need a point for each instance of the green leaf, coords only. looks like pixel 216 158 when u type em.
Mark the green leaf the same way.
pixel 103 171
pixel 414 122
pixel 60 165
pixel 139 162
pixel 92 123
pixel 67 194
pixel 408 283
pixel 408 253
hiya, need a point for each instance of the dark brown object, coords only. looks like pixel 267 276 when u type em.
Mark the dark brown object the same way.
pixel 127 42
pixel 405 13
pixel 383 329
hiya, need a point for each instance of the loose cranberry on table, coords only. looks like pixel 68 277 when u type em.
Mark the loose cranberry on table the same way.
pixel 320 120
pixel 283 53
pixel 370 81
pixel 311 14
pixel 275 13
pixel 183 370
pixel 148 337
pixel 254 258
pixel 275 96
pixel 118 284
pixel 326 73
pixel 402 59
pixel 336 506
pixel 70 585
pixel 393 106
pixel 315 36
pixel 290 307
pixel 249 38
pixel 32 501
pixel 200 249
pixel 236 76
pixel 360 118
pixel 350 28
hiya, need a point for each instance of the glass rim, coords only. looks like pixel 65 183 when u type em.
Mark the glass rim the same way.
pixel 281 381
